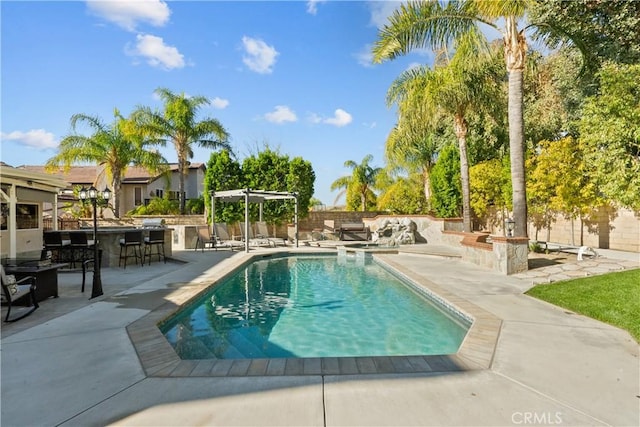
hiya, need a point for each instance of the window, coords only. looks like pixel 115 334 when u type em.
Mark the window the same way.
pixel 137 196
pixel 159 193
pixel 27 216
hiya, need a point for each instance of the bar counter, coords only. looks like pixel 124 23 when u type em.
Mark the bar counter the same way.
pixel 109 240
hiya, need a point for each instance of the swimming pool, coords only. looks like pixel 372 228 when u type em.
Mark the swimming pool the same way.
pixel 304 306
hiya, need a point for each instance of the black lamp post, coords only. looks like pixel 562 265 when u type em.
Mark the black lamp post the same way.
pixel 92 194
pixel 510 225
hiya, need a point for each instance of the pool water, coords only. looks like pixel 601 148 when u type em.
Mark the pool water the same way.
pixel 303 306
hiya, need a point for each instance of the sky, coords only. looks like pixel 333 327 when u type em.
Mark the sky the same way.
pixel 294 75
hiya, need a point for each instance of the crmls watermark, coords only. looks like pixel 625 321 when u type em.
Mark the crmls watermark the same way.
pixel 536 418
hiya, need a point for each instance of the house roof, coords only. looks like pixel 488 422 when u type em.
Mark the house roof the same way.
pixel 31 179
pixel 86 175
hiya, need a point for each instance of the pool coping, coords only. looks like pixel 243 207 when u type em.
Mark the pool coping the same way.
pixel 158 358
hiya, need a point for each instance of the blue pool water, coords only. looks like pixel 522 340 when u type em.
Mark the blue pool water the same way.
pixel 312 307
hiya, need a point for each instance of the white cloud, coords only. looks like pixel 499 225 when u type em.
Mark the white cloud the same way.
pixel 340 118
pixel 312 6
pixel 314 118
pixel 381 10
pixel 365 56
pixel 219 103
pixel 128 14
pixel 413 65
pixel 259 56
pixel 281 114
pixel 35 138
pixel 156 52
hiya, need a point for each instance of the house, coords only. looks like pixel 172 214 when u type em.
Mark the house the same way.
pixel 23 195
pixel 138 185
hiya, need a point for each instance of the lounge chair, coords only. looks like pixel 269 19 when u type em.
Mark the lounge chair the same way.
pixel 263 233
pixel 13 290
pixel 253 240
pixel 222 237
pixel 205 239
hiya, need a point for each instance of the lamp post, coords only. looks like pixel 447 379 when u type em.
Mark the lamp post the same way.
pixel 92 194
pixel 510 225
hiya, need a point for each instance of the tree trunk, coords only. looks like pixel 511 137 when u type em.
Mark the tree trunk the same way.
pixel 426 179
pixel 116 184
pixel 461 133
pixel 515 52
pixel 181 171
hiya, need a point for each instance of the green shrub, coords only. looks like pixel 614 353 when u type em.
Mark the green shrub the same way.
pixel 157 206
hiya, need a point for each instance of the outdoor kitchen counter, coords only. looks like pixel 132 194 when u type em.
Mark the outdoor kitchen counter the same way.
pixel 109 239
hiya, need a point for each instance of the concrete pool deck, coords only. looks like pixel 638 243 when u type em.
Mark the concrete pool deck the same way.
pixel 72 362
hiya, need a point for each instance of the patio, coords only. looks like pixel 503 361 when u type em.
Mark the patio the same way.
pixel 75 359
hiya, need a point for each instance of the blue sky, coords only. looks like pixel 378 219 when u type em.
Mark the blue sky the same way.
pixel 294 75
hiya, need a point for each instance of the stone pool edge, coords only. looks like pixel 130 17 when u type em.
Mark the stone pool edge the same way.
pixel 158 358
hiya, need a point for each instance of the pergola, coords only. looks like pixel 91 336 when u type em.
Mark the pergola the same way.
pixel 248 195
pixel 17 185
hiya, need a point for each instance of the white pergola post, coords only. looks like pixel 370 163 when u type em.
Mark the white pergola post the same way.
pixel 246 220
pixel 213 213
pixel 295 219
pixel 54 212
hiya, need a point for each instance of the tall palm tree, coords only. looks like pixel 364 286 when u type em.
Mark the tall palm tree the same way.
pixel 455 86
pixel 177 123
pixel 430 23
pixel 114 146
pixel 361 181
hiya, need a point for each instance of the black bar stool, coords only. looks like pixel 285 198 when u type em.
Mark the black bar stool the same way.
pixel 81 247
pixel 155 240
pixel 60 249
pixel 133 240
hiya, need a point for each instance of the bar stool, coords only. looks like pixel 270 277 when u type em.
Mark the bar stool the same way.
pixel 133 240
pixel 80 246
pixel 155 239
pixel 60 249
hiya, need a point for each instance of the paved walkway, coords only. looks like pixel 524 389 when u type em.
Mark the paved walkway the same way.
pixel 72 362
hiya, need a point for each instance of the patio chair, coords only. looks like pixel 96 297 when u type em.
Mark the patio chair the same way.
pixel 263 233
pixel 222 237
pixel 253 240
pixel 205 238
pixel 13 290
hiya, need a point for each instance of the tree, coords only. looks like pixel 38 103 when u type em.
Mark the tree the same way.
pixel 455 86
pixel 610 131
pixel 419 24
pixel 301 180
pixel 446 194
pixel 401 197
pixel 559 178
pixel 114 146
pixel 555 92
pixel 490 186
pixel 177 122
pixel 360 182
pixel 223 173
pixel 413 145
pixel 270 170
pixel 603 30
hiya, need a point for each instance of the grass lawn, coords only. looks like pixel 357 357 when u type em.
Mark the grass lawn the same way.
pixel 613 298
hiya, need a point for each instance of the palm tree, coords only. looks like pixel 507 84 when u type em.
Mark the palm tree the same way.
pixel 177 122
pixel 467 81
pixel 411 147
pixel 430 23
pixel 114 146
pixel 361 181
